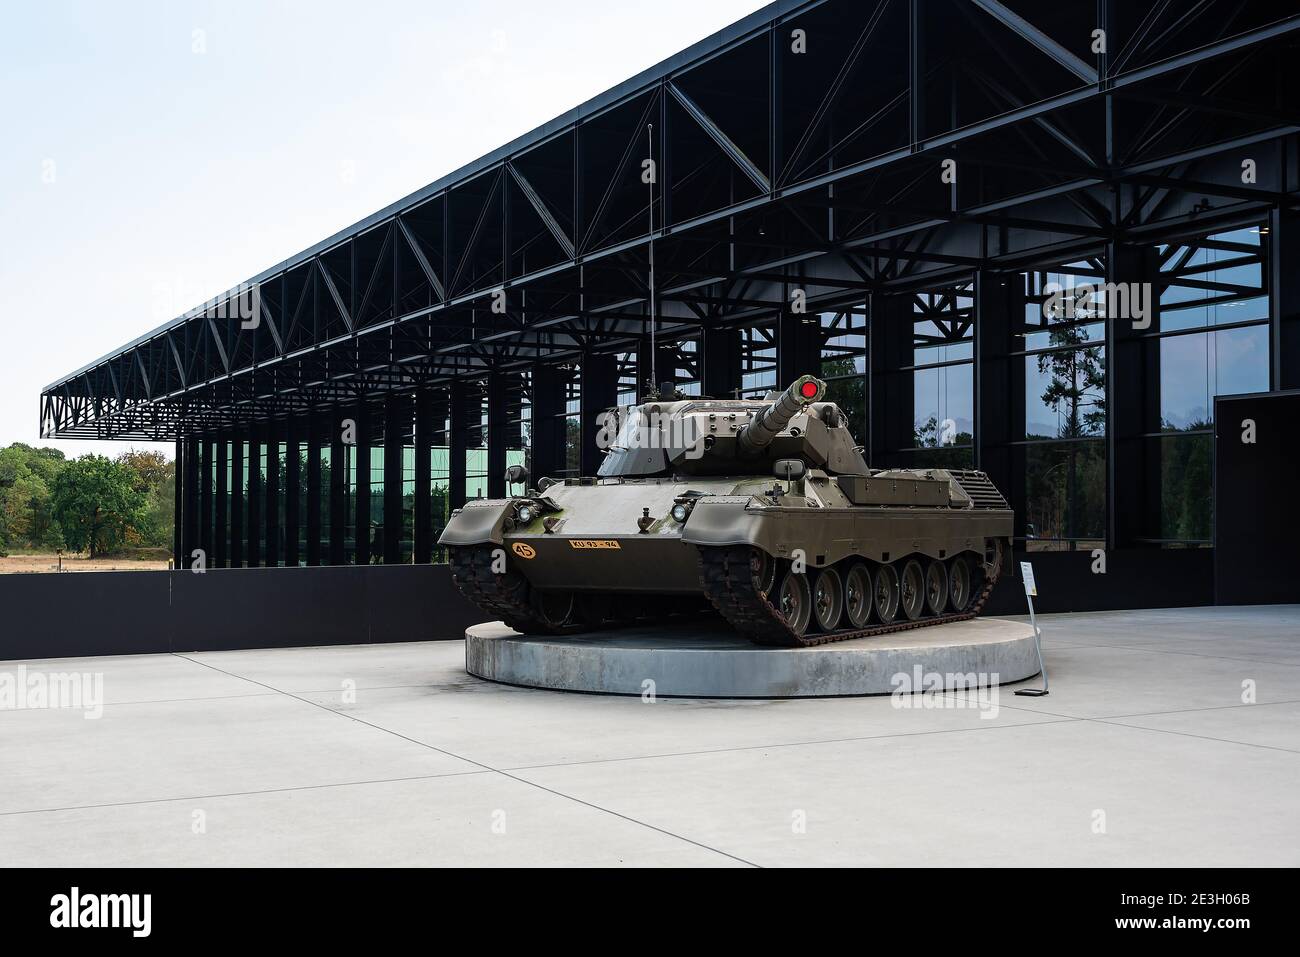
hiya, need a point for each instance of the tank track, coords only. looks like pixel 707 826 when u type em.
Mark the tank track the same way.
pixel 727 580
pixel 505 595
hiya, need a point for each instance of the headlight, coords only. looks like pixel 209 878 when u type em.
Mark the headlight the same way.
pixel 525 514
pixel 680 511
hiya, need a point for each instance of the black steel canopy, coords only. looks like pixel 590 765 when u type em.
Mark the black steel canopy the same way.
pixel 804 147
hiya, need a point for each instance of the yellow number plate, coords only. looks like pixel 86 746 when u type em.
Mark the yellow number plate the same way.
pixel 593 543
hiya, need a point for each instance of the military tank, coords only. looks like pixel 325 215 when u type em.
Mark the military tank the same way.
pixel 763 511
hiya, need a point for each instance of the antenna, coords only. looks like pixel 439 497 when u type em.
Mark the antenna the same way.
pixel 654 322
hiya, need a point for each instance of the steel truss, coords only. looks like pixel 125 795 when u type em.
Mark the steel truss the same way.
pixel 777 170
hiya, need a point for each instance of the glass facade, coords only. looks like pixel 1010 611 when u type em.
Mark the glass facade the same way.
pixel 1067 331
pixel 1062 340
pixel 943 383
pixel 1211 338
pixel 844 364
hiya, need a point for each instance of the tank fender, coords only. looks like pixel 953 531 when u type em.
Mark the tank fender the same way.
pixel 476 523
pixel 724 520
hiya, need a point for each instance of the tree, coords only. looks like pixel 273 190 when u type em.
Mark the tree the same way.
pixel 153 475
pixel 1077 387
pixel 96 502
pixel 26 474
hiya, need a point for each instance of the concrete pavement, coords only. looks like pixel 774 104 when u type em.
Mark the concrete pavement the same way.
pixel 1170 738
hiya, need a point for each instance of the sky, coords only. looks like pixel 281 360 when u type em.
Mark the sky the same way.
pixel 154 154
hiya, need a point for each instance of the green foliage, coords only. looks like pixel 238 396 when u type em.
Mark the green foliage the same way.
pixel 48 502
pixel 153 476
pixel 1078 382
pixel 26 518
pixel 1186 465
pixel 98 503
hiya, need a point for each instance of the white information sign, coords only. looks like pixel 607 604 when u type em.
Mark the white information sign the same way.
pixel 1027 573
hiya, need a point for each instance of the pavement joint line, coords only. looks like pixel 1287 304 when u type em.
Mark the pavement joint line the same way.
pixel 1113 722
pixel 1199 737
pixel 234 794
pixel 1188 654
pixel 487 767
pixel 783 744
pixel 1149 714
pixel 224 697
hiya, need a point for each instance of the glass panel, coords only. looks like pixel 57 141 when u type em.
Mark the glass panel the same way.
pixel 1065 391
pixel 1196 367
pixel 1065 495
pixel 940 458
pixel 374 512
pixel 944 407
pixel 281 500
pixel 1186 505
pixel 406 548
pixel 325 530
pixel 300 450
pixel 439 478
pixel 851 396
pixel 757 361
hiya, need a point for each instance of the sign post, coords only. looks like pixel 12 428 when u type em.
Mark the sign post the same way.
pixel 1031 589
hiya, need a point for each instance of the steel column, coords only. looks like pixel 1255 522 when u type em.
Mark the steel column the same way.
pixel 498 422
pixel 362 526
pixel 599 392
pixel 338 489
pixel 292 490
pixel 274 553
pixel 891 412
pixel 457 444
pixel 1133 479
pixel 313 518
pixel 238 473
pixel 1284 287
pixel 256 495
pixel 397 422
pixel 205 498
pixel 999 385
pixel 722 363
pixel 190 503
pixel 547 453
pixel 221 520
pixel 422 518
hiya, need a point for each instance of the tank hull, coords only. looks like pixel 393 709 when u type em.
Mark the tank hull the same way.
pixel 595 550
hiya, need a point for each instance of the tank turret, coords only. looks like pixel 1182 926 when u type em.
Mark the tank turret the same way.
pixel 772 420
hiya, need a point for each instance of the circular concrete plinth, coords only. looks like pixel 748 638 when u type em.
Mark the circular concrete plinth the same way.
pixel 695 659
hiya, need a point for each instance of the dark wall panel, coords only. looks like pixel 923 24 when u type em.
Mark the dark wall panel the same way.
pixel 121 613
pixel 1256 519
pixel 1134 578
pixel 85 613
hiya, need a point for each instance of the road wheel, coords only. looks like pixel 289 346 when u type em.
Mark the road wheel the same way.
pixel 794 602
pixel 912 588
pixel 556 608
pixel 936 588
pixel 828 599
pixel 886 593
pixel 762 567
pixel 959 578
pixel 858 595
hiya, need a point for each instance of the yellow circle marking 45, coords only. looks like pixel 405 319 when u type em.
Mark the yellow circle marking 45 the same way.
pixel 523 550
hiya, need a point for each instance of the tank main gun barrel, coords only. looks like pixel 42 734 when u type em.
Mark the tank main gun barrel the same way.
pixel 759 432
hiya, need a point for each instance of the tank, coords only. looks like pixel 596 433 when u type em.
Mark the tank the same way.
pixel 763 512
